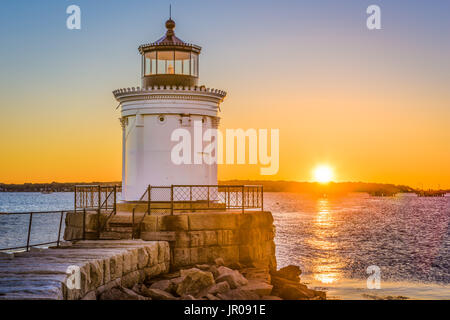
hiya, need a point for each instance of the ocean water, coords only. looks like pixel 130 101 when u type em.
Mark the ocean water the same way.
pixel 333 240
pixel 45 227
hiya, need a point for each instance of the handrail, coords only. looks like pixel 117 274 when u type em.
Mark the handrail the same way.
pixel 30 245
pixel 91 198
pixel 148 192
pixel 113 211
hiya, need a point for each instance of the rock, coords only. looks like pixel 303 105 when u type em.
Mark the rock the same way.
pixel 234 278
pixel 220 287
pixel 290 272
pixel 291 292
pixel 279 283
pixel 90 296
pixel 260 274
pixel 164 285
pixel 213 270
pixel 120 293
pixel 211 297
pixel 203 267
pixel 175 282
pixel 137 288
pixel 157 294
pixel 322 295
pixel 235 266
pixel 258 287
pixel 270 298
pixel 194 281
pixel 187 297
pixel 237 294
pixel 219 262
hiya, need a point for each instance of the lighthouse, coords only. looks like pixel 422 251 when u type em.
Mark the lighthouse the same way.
pixel 169 98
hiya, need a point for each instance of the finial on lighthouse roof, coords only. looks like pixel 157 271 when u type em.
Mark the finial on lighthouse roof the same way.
pixel 170 24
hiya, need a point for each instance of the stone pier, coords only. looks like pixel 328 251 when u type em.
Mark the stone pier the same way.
pixel 194 237
pixel 41 274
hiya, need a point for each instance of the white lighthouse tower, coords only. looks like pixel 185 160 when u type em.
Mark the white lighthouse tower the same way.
pixel 170 98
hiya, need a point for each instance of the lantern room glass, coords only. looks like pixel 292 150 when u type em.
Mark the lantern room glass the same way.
pixel 150 63
pixel 170 62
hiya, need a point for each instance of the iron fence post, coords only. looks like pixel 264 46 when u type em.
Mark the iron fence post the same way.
pixel 115 200
pixel 99 197
pixel 208 196
pixel 190 197
pixel 29 231
pixel 98 224
pixel 171 200
pixel 75 199
pixel 149 204
pixel 132 223
pixel 243 199
pixel 84 224
pixel 262 198
pixel 59 230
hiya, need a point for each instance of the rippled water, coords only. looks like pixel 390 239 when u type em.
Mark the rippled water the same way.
pixel 14 228
pixel 333 240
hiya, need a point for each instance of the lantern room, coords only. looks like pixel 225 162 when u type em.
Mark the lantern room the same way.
pixel 169 61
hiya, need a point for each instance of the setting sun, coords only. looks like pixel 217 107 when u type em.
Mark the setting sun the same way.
pixel 323 174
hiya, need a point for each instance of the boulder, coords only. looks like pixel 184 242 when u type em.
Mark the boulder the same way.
pixel 279 283
pixel 219 262
pixel 290 272
pixel 137 288
pixel 187 297
pixel 211 297
pixel 164 285
pixel 120 293
pixel 258 287
pixel 220 287
pixel 237 294
pixel 270 298
pixel 291 292
pixel 90 296
pixel 234 278
pixel 157 294
pixel 175 282
pixel 194 281
pixel 203 267
pixel 261 274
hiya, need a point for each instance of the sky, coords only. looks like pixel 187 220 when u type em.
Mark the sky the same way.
pixel 372 104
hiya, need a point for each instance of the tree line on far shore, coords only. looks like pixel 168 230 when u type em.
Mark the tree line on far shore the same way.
pixel 332 188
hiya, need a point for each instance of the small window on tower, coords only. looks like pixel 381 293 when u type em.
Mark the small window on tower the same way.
pixel 161 119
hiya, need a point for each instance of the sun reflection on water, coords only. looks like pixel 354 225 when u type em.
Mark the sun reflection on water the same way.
pixel 327 266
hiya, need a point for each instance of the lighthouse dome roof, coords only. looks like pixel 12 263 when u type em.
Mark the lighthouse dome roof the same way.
pixel 169 41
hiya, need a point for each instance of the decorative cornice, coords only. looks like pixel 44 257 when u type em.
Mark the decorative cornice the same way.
pixel 169 93
pixel 123 122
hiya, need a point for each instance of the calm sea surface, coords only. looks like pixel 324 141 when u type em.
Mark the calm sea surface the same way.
pixel 333 240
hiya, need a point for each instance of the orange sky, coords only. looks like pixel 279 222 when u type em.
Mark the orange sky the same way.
pixel 374 106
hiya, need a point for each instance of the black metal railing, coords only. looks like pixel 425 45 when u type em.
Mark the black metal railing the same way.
pixel 96 197
pixel 102 199
pixel 206 197
pixel 30 218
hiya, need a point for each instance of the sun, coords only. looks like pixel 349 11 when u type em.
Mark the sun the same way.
pixel 323 174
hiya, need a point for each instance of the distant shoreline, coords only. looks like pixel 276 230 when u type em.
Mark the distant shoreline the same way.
pixel 332 188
